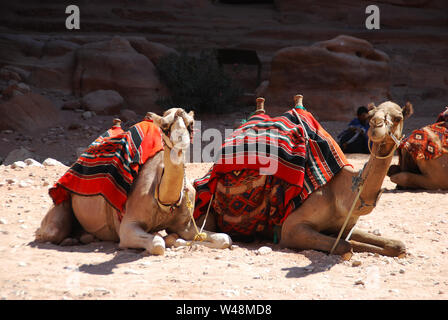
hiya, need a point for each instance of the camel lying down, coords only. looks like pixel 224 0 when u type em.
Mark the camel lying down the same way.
pixel 160 199
pixel 320 218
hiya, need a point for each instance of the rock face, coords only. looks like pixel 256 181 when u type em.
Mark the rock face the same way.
pixel 28 113
pixel 103 102
pixel 335 77
pixel 115 65
pixel 44 64
pixel 152 50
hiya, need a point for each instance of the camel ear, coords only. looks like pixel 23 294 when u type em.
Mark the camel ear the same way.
pixel 407 110
pixel 158 120
pixel 371 106
pixel 191 114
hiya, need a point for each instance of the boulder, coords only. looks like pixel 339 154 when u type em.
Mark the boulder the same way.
pixel 16 88
pixel 152 50
pixel 28 112
pixel 335 77
pixel 102 102
pixel 19 154
pixel 116 65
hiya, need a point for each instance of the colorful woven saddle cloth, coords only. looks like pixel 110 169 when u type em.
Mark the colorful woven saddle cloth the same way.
pixel 266 169
pixel 427 143
pixel 110 164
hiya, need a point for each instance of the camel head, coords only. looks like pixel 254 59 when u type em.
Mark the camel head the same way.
pixel 177 127
pixel 386 122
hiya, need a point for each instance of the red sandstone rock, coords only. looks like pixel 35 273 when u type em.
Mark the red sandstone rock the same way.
pixel 335 77
pixel 29 112
pixel 115 65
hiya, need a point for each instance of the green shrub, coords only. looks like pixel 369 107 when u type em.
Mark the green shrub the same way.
pixel 197 83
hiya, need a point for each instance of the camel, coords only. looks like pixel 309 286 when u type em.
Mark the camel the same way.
pixel 315 223
pixel 422 173
pixel 160 198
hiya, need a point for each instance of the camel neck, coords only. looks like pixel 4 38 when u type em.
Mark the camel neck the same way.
pixel 172 180
pixel 373 176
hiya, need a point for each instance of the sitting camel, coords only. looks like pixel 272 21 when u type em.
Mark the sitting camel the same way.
pixel 160 198
pixel 317 217
pixel 423 158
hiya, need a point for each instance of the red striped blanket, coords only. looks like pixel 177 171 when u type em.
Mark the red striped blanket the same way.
pixel 110 164
pixel 293 148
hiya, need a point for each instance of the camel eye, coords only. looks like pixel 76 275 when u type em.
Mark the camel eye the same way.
pixel 397 119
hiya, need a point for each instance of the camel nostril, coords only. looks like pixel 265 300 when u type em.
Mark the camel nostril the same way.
pixel 377 122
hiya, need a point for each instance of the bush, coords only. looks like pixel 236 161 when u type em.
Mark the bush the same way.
pixel 197 83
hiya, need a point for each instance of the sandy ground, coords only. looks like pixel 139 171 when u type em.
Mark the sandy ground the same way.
pixel 100 270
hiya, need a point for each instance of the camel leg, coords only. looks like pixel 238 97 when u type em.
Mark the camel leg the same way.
pixel 362 241
pixel 302 236
pixel 56 225
pixel 132 235
pixel 412 180
pixel 213 240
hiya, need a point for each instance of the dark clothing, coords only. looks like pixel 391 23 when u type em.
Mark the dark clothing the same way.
pixel 354 139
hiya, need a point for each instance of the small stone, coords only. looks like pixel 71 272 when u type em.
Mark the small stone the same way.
pixel 264 250
pixel 18 164
pixel 376 232
pixel 309 268
pixel 11 181
pixel 3 221
pixel 402 271
pixel 45 183
pixel 394 291
pixel 359 282
pixel 356 263
pixel 23 184
pixel 22 264
pixel 130 271
pixel 51 162
pixel 87 115
pixel 103 291
pixel 32 163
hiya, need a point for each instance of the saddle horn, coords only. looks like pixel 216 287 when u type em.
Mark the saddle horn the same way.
pixel 116 122
pixel 298 100
pixel 260 105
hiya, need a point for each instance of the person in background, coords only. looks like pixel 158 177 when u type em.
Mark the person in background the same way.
pixel 354 139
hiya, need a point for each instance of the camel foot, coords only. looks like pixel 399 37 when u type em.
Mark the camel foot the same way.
pixel 393 169
pixel 87 238
pixel 171 239
pixel 69 242
pixel 158 246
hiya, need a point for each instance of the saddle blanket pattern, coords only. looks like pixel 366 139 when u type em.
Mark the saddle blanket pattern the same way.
pixel 427 143
pixel 305 156
pixel 110 164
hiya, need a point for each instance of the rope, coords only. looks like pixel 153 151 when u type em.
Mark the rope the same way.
pixel 360 184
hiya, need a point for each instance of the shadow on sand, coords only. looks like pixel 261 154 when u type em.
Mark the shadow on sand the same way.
pixel 104 268
pixel 319 262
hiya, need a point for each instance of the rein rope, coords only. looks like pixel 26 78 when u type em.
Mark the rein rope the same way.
pixel 358 183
